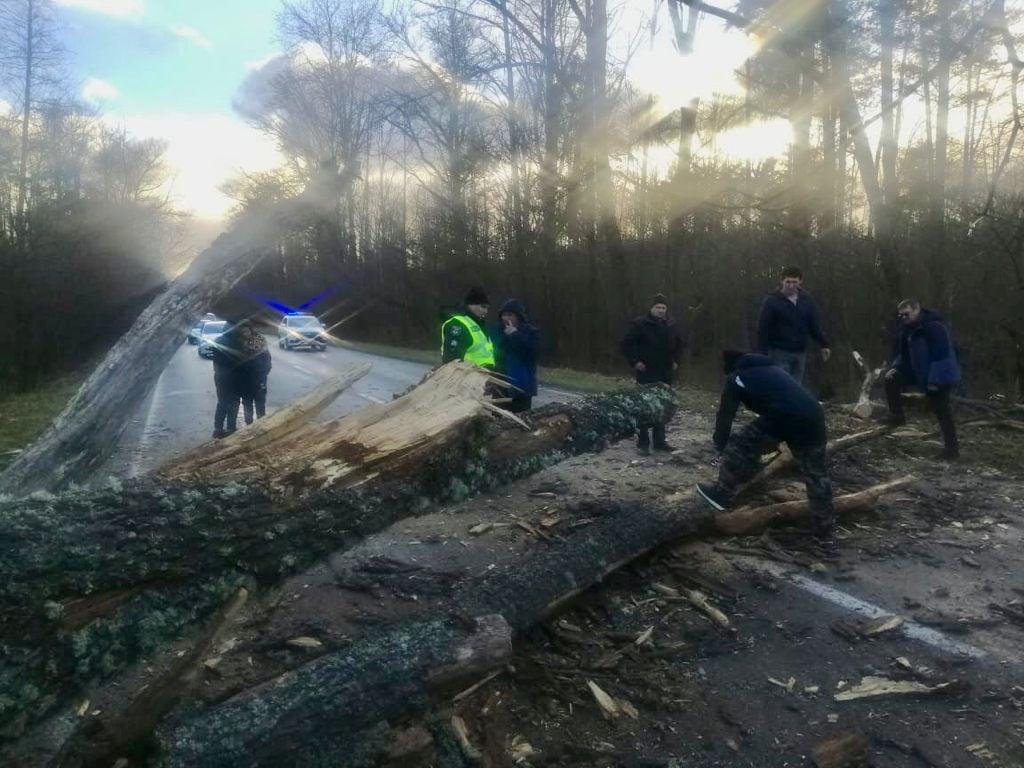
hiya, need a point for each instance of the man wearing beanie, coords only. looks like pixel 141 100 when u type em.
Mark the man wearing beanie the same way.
pixel 786 413
pixel 652 346
pixel 462 334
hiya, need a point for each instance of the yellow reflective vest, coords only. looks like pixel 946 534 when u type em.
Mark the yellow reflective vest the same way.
pixel 481 350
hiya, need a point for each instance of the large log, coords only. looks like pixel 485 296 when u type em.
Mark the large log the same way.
pixel 93 579
pixel 745 521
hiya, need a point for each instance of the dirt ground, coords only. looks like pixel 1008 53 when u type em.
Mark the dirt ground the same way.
pixel 944 556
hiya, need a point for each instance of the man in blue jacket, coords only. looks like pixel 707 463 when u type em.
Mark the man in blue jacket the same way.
pixel 515 353
pixel 786 413
pixel 925 358
pixel 789 320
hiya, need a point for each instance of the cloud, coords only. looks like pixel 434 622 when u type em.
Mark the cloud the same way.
pixel 96 90
pixel 191 34
pixel 203 151
pixel 258 64
pixel 118 8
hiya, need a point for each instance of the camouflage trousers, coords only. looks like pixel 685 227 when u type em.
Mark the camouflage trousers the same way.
pixel 742 460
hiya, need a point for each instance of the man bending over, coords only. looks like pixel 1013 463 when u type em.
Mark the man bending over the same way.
pixel 787 413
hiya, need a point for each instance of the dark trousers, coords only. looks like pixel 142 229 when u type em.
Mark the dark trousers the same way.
pixel 939 400
pixel 742 460
pixel 518 404
pixel 793 363
pixel 643 438
pixel 227 401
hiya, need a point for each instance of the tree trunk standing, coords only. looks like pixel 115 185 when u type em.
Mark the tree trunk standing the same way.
pixel 938 187
pixel 880 214
pixel 829 206
pixel 800 152
pixel 26 117
pixel 888 139
pixel 517 245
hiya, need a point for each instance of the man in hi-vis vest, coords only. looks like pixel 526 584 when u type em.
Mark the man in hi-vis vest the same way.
pixel 463 336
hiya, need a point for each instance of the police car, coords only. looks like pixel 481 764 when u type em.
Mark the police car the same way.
pixel 301 331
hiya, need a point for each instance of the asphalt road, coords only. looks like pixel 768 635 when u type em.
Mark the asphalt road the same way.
pixel 178 414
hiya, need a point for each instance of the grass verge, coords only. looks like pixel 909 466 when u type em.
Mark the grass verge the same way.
pixel 24 416
pixel 559 378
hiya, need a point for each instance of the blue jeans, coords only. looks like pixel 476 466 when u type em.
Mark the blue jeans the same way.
pixel 793 363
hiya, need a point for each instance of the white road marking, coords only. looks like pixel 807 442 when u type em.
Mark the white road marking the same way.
pixel 911 629
pixel 146 437
pixel 371 398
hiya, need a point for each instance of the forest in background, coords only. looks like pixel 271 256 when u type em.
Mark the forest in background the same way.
pixel 438 144
pixel 87 232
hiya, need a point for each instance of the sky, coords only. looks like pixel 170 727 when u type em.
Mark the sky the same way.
pixel 171 68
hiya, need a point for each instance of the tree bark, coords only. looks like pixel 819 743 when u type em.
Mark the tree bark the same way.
pixel 93 580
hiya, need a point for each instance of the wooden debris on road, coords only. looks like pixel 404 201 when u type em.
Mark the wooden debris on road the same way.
pixel 871 687
pixel 748 520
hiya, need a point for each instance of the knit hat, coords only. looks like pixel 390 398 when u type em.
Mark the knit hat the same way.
pixel 659 298
pixel 477 296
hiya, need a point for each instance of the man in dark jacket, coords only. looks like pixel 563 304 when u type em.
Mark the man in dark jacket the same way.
pixel 789 320
pixel 924 358
pixel 652 346
pixel 462 332
pixel 228 358
pixel 515 353
pixel 786 413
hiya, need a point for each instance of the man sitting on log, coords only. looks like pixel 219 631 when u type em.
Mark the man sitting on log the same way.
pixel 463 336
pixel 786 413
pixel 925 357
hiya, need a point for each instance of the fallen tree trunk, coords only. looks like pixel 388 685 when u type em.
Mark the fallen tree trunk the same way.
pixel 389 584
pixel 92 579
pixel 745 521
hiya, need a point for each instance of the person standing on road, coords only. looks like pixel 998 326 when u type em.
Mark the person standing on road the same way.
pixel 515 353
pixel 789 319
pixel 253 372
pixel 926 358
pixel 652 346
pixel 462 333
pixel 786 413
pixel 227 360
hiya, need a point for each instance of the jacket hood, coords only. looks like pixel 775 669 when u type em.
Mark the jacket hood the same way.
pixel 516 307
pixel 753 360
pixel 931 316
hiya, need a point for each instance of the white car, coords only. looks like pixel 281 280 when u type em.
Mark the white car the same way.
pixel 208 335
pixel 196 331
pixel 301 331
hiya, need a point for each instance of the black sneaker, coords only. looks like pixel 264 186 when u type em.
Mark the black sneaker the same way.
pixel 711 496
pixel 664 448
pixel 219 434
pixel 894 420
pixel 643 450
pixel 949 454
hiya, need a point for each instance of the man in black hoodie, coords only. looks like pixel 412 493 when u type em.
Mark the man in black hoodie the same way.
pixel 789 320
pixel 786 413
pixel 653 345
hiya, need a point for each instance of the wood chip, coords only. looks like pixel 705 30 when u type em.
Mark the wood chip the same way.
pixel 645 636
pixel 843 751
pixel 609 707
pixel 462 735
pixel 306 643
pixel 871 687
pixel 479 528
pixel 882 624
